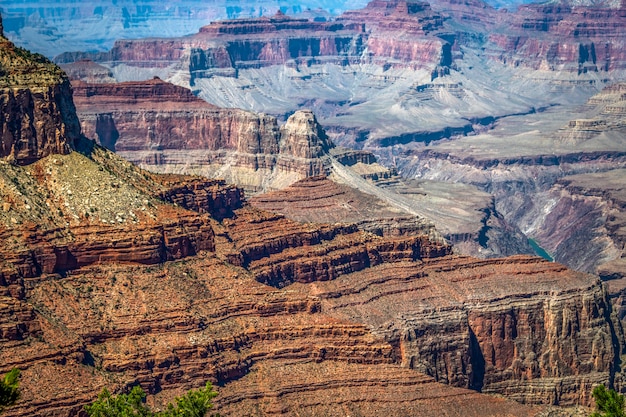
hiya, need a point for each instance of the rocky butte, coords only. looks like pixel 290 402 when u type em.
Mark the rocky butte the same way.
pixel 164 128
pixel 112 276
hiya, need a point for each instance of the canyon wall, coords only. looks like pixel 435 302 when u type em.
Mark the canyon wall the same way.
pixel 109 279
pixel 36 99
pixel 463 330
pixel 564 37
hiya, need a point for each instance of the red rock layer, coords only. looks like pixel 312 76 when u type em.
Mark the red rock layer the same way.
pixel 318 199
pixel 399 31
pixel 172 327
pixel 562 37
pixel 279 251
pixel 329 389
pixel 155 115
pixel 136 94
pixel 39 118
pixel 202 195
pixel 519 326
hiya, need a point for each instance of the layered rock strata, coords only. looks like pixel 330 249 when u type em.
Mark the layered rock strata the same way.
pixel 166 128
pixel 36 101
pixel 449 319
pixel 564 37
pixel 80 309
pixel 223 47
pixel 144 122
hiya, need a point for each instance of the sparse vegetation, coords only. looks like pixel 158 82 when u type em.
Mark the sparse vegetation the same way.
pixel 9 389
pixel 609 403
pixel 195 403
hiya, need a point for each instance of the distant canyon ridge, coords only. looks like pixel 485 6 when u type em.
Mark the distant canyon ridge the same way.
pixel 508 103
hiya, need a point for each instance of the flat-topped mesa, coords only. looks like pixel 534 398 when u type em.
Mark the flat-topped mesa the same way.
pixel 303 137
pixel 271 24
pixel 36 101
pixel 136 93
pixel 412 16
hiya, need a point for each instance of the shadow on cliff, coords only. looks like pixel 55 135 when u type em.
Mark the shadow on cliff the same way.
pixel 477 375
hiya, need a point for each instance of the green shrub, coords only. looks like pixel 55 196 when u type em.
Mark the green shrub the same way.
pixel 609 403
pixel 122 405
pixel 9 388
pixel 195 403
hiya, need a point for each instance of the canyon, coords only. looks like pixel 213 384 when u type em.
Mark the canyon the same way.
pixel 441 94
pixel 164 128
pixel 115 276
pixel 334 287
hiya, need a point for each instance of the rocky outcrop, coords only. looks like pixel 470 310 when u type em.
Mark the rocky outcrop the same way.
pixel 202 195
pixel 36 99
pixel 80 309
pixel 464 330
pixel 166 128
pixel 303 137
pixel 91 220
pixel 277 252
pixel 155 115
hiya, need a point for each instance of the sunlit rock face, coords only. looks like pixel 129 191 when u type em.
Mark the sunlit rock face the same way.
pixel 36 101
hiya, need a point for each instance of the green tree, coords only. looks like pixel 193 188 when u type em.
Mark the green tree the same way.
pixel 195 403
pixel 609 403
pixel 9 388
pixel 122 405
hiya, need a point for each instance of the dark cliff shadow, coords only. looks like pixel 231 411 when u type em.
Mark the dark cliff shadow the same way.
pixel 85 146
pixel 477 375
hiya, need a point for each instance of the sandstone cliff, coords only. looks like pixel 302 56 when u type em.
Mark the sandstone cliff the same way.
pixel 166 128
pixel 36 99
pixel 462 329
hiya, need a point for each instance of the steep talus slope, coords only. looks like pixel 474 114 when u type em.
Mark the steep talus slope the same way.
pixel 64 212
pixel 348 389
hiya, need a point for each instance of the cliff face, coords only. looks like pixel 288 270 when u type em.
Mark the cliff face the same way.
pixel 465 331
pixel 165 127
pixel 36 99
pixel 108 279
pixel 564 37
pixel 155 115
pixel 356 37
pixel 303 137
